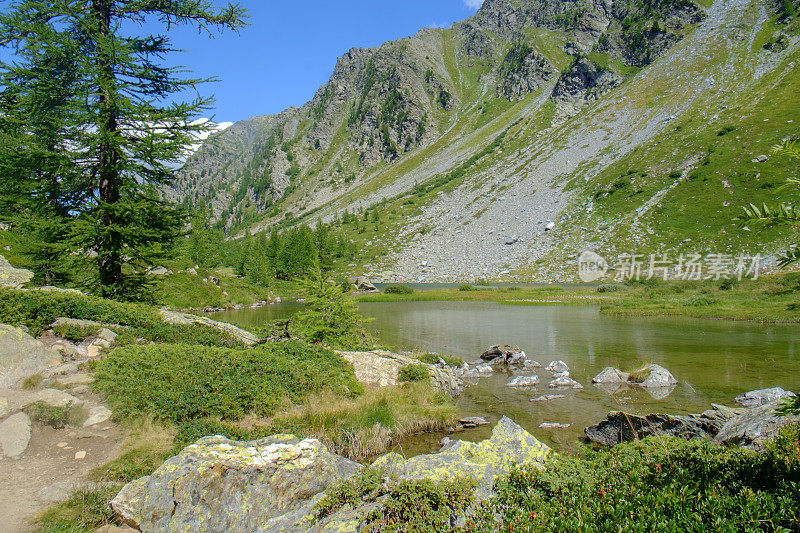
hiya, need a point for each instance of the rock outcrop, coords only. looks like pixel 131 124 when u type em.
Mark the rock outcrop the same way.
pixel 13 278
pixel 757 398
pixel 650 377
pixel 273 484
pixel 21 356
pixel 504 355
pixel 173 317
pixel 749 428
pixel 382 368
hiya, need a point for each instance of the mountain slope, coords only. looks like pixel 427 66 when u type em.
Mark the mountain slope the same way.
pixel 596 119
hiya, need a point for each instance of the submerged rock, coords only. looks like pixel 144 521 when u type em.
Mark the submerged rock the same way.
pixel 554 425
pixel 478 371
pixel 473 421
pixel 658 377
pixel 523 381
pixel 757 398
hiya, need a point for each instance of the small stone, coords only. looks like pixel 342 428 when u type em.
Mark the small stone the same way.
pixel 97 415
pixel 548 397
pixel 62 444
pixel 473 421
pixel 80 455
pixel 564 383
pixel 553 425
pixel 558 366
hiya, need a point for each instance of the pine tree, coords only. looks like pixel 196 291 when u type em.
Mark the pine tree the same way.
pixel 116 141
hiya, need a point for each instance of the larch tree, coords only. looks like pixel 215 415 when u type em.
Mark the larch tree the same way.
pixel 116 136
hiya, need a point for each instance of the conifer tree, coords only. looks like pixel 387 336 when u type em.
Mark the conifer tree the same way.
pixel 117 134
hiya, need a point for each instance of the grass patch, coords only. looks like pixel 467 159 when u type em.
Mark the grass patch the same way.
pixel 148 445
pixel 57 417
pixel 178 382
pixel 32 382
pixel 84 512
pixel 433 358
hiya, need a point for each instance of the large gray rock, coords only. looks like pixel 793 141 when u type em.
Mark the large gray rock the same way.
pixel 757 398
pixel 22 356
pixel 753 427
pixel 15 434
pixel 173 317
pixel 750 428
pixel 13 278
pixel 382 368
pixel 221 485
pixel 504 355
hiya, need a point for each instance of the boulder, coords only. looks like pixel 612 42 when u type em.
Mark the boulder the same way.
pixel 221 485
pixel 564 382
pixel 365 285
pixel 523 381
pixel 15 434
pixel 530 364
pixel 504 355
pixel 478 371
pixel 13 278
pixel 659 377
pixel 173 317
pixel 97 415
pixel 508 446
pixel 22 356
pixel 107 335
pixel 752 428
pixel 557 367
pixel 611 375
pixel 757 398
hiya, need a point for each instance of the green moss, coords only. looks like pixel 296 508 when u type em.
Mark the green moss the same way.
pixel 414 372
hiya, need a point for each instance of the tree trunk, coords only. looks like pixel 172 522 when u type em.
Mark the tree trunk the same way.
pixel 108 249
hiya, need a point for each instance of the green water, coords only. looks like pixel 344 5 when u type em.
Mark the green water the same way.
pixel 713 360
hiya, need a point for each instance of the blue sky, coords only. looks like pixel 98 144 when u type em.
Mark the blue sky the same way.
pixel 291 47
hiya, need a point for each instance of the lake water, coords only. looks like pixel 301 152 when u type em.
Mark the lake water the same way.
pixel 714 361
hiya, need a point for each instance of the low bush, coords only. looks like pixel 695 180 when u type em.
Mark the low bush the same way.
pixel 610 287
pixel 56 417
pixel 164 333
pixel 75 332
pixel 658 484
pixel 466 288
pixel 32 382
pixel 414 372
pixel 398 289
pixel 38 309
pixel 179 382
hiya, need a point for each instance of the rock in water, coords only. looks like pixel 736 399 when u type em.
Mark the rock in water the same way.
pixel 221 485
pixel 15 434
pixel 757 398
pixel 611 375
pixel 21 356
pixel 508 446
pixel 557 367
pixel 659 377
pixel 523 381
pixel 564 382
pixel 547 398
pixel 473 421
pixel 13 278
pixel 504 355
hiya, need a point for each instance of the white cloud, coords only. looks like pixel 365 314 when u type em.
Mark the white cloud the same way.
pixel 473 4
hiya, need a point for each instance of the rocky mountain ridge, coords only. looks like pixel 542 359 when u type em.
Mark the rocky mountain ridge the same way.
pixel 527 107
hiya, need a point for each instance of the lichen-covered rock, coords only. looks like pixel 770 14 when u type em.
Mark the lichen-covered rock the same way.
pixel 13 278
pixel 757 398
pixel 221 485
pixel 173 317
pixel 22 356
pixel 509 445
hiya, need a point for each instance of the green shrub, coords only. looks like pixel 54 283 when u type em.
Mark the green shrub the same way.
pixel 350 491
pixel 433 358
pixel 179 382
pixel 414 372
pixel 658 484
pixel 56 417
pixel 700 300
pixel 785 447
pixel 164 333
pixel 38 309
pixel 75 332
pixel 610 287
pixel 466 288
pixel 398 289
